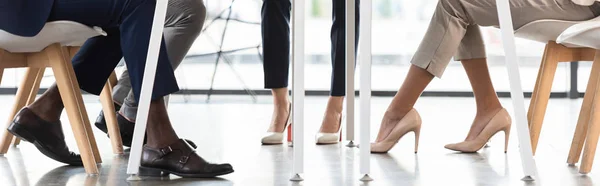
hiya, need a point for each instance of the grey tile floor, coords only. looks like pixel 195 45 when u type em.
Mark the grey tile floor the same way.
pixel 228 129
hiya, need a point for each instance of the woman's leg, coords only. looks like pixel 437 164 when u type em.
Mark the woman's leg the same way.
pixel 276 51
pixel 333 112
pixel 485 95
pixel 453 30
pixel 404 100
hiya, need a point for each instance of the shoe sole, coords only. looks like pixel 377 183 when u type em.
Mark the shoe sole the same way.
pixel 25 135
pixel 156 172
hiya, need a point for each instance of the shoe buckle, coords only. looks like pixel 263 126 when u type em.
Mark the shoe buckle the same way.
pixel 184 159
pixel 166 150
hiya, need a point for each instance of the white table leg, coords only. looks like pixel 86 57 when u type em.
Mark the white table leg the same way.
pixel 516 91
pixel 298 88
pixel 365 88
pixel 350 60
pixel 147 86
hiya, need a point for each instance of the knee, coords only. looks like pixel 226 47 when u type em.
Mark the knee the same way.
pixel 449 6
pixel 453 8
pixel 197 14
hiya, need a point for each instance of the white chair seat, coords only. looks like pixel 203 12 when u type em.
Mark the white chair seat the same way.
pixel 545 30
pixel 67 33
pixel 586 33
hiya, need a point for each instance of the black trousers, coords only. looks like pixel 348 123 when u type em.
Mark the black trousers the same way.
pixel 128 24
pixel 276 44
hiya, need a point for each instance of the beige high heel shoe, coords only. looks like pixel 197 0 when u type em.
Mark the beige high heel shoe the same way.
pixel 411 122
pixel 500 122
pixel 323 138
pixel 273 138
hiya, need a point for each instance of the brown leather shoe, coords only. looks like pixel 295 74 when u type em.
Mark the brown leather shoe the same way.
pixel 179 159
pixel 47 137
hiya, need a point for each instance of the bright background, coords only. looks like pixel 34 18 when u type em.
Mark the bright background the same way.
pixel 398 27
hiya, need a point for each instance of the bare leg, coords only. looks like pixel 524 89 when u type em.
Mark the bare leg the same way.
pixel 485 95
pixel 333 115
pixel 160 131
pixel 281 109
pixel 404 100
pixel 48 106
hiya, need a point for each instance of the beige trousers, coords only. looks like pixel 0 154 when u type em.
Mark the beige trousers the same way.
pixel 454 28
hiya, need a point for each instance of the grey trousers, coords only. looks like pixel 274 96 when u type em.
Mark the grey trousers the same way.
pixel 454 28
pixel 184 21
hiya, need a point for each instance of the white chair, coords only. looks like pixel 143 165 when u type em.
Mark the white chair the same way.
pixel 53 47
pixel 572 49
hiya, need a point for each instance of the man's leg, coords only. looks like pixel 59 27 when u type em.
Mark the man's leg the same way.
pixel 185 19
pixel 183 24
pixel 135 29
pixel 164 152
pixel 41 119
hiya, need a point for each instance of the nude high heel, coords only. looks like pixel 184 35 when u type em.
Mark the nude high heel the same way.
pixel 411 122
pixel 323 138
pixel 273 138
pixel 500 122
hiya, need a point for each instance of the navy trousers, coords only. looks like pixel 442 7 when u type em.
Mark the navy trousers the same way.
pixel 128 24
pixel 276 43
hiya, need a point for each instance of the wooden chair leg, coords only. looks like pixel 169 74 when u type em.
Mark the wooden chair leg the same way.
pixel 548 69
pixel 71 96
pixel 108 108
pixel 592 135
pixel 33 93
pixel 581 129
pixel 535 92
pixel 20 102
pixel 69 53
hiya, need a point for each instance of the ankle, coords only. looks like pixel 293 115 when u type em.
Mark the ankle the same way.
pixel 281 104
pixel 160 143
pixel 489 110
pixel 46 112
pixel 132 120
pixel 396 114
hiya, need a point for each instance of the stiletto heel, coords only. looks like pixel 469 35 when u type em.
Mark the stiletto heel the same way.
pixel 500 122
pixel 341 132
pixel 289 133
pixel 329 138
pixel 273 138
pixel 411 122
pixel 506 137
pixel 417 135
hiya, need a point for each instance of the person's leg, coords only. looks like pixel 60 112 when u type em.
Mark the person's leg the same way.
pixel 135 22
pixel 333 112
pixel 445 34
pixel 415 82
pixel 44 113
pixel 485 95
pixel 275 30
pixel 183 24
pixel 121 89
pixel 164 151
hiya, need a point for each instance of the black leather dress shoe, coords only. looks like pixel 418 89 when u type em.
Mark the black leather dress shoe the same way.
pixel 47 137
pixel 179 159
